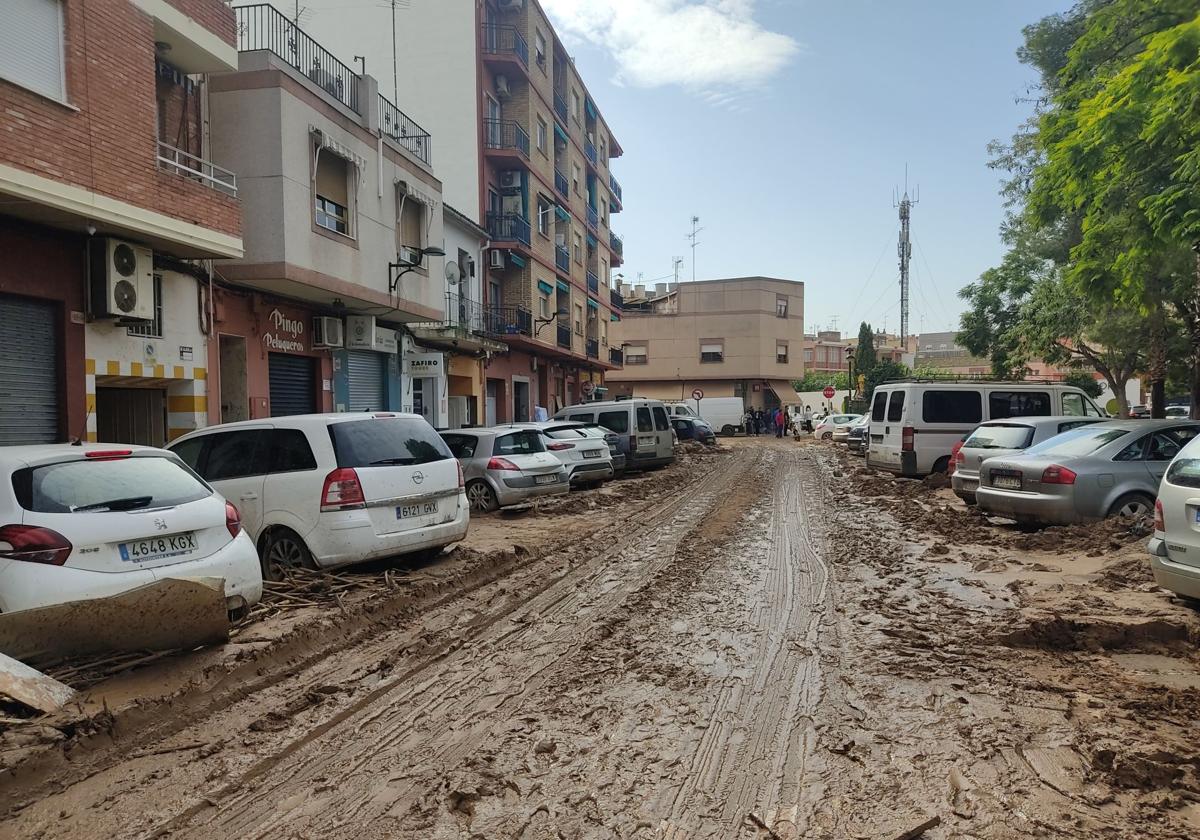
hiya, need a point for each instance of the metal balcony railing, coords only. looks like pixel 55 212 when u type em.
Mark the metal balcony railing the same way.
pixel 562 259
pixel 616 244
pixel 593 281
pixel 466 314
pixel 560 107
pixel 190 166
pixel 589 149
pixel 508 227
pixel 593 348
pixel 501 39
pixel 505 134
pixel 615 299
pixel 396 125
pixel 616 357
pixel 564 336
pixel 560 183
pixel 615 186
pixel 508 320
pixel 261 27
pixel 593 218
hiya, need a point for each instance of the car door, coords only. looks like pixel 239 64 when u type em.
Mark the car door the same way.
pixel 1163 447
pixel 235 464
pixel 292 491
pixel 662 429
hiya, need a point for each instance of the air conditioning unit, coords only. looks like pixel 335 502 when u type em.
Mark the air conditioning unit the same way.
pixel 502 89
pixel 121 280
pixel 496 258
pixel 510 178
pixel 328 332
pixel 360 331
pixel 409 256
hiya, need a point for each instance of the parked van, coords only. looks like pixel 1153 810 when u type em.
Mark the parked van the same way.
pixel 915 424
pixel 644 426
pixel 724 414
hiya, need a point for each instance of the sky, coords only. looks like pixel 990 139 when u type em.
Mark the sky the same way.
pixel 787 125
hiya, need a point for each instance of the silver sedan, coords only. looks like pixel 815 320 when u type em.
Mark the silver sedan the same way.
pixel 1108 469
pixel 506 466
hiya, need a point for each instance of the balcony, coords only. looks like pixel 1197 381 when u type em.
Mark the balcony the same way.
pixel 562 259
pixel 262 27
pixel 560 107
pixel 615 299
pixel 506 136
pixel 616 357
pixel 561 184
pixel 593 282
pixel 564 336
pixel 190 166
pixel 616 244
pixel 614 187
pixel 395 125
pixel 468 326
pixel 509 320
pixel 505 44
pixel 593 219
pixel 589 149
pixel 508 227
pixel 593 348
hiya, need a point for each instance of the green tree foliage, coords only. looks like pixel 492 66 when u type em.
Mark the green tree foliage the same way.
pixel 864 354
pixel 1085 382
pixel 884 371
pixel 817 380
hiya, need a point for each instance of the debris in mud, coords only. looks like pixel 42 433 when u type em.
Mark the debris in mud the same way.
pixel 936 481
pixel 32 688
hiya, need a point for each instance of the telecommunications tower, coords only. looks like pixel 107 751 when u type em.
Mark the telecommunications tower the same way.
pixel 904 251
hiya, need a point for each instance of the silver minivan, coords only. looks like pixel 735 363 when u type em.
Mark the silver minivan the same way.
pixel 644 427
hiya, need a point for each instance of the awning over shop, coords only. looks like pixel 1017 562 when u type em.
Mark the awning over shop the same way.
pixel 592 304
pixel 560 134
pixel 563 287
pixel 544 287
pixel 784 391
pixel 517 260
pixel 563 215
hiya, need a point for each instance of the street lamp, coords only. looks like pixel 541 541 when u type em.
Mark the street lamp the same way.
pixel 562 313
pixel 849 374
pixel 397 270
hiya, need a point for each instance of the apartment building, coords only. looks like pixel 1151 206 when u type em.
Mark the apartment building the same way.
pixel 529 152
pixel 110 198
pixel 826 352
pixel 740 337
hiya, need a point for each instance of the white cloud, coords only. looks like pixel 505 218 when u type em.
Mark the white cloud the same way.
pixel 707 46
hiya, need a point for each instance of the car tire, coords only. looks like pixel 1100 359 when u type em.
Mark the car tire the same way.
pixel 827 436
pixel 1132 506
pixel 481 496
pixel 941 465
pixel 282 550
pixel 969 499
pixel 728 431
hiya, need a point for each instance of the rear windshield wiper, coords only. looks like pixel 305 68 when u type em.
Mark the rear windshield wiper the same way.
pixel 393 462
pixel 130 503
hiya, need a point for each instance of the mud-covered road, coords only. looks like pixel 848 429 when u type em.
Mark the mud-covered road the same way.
pixel 766 642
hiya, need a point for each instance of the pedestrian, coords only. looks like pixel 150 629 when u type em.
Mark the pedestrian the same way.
pixel 808 418
pixel 748 421
pixel 761 421
pixel 780 423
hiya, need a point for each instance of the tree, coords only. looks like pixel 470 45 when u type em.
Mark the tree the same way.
pixel 884 371
pixel 864 354
pixel 817 380
pixel 1085 382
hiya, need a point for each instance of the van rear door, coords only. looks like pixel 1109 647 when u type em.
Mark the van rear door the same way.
pixel 664 446
pixel 886 437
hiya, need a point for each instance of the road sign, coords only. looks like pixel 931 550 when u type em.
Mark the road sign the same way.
pixel 698 394
pixel 828 393
pixel 588 388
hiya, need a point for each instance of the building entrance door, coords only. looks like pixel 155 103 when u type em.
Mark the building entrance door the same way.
pixel 235 400
pixel 131 415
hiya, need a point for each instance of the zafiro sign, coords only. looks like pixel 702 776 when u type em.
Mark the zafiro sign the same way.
pixel 424 364
pixel 287 333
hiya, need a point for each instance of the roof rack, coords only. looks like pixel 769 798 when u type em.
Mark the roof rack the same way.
pixel 973 378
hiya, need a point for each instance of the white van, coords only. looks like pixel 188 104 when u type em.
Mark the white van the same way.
pixel 724 414
pixel 644 427
pixel 914 425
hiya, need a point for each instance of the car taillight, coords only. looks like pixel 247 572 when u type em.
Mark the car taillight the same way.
pixel 342 491
pixel 1159 524
pixel 33 545
pixel 502 464
pixel 462 479
pixel 233 519
pixel 559 447
pixel 108 453
pixel 1054 474
pixel 906 439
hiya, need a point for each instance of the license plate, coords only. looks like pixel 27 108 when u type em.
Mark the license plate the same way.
pixel 546 479
pixel 647 442
pixel 1008 482
pixel 592 453
pixel 156 548
pixel 420 509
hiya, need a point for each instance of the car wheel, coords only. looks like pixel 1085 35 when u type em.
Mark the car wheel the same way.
pixel 283 551
pixel 969 499
pixel 728 431
pixel 1132 506
pixel 481 497
pixel 941 465
pixel 827 436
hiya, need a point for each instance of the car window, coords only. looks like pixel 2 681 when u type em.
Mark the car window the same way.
pixel 684 411
pixel 617 421
pixel 660 419
pixel 189 451
pixel 1007 436
pixel 679 423
pixel 1185 472
pixel 644 423
pixel 461 446
pixel 236 454
pixel 1002 404
pixel 583 418
pixel 1077 442
pixel 1072 424
pixel 381 441
pixel 1135 451
pixel 565 433
pixel 878 404
pixel 895 407
pixel 1164 446
pixel 129 483
pixel 952 406
pixel 519 443
pixel 1090 409
pixel 1073 404
pixel 290 451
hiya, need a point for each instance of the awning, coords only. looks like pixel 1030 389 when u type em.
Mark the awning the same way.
pixel 518 261
pixel 563 287
pixel 590 106
pixel 614 317
pixel 560 134
pixel 591 240
pixel 784 391
pixel 563 215
pixel 544 287
pixel 592 304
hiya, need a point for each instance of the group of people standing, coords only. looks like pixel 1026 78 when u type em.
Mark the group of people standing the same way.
pixel 759 422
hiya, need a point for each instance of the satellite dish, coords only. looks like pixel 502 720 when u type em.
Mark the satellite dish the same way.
pixel 453 273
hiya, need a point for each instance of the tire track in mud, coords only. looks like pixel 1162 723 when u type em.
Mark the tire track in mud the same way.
pixel 357 766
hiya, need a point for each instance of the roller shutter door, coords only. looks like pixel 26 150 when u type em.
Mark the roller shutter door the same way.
pixel 29 386
pixel 364 373
pixel 293 384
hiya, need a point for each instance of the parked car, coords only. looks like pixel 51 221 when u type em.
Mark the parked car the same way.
pixel 997 438
pixel 644 426
pixel 841 433
pixel 915 423
pixel 723 413
pixel 824 429
pixel 585 455
pixel 1105 469
pixel 1175 412
pixel 614 445
pixel 1139 411
pixel 856 435
pixel 693 428
pixel 1175 547
pixel 89 521
pixel 329 490
pixel 506 466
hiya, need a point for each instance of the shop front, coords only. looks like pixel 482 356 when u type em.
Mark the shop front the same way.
pixel 367 375
pixel 426 384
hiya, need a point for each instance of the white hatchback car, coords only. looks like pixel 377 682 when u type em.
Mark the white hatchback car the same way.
pixel 823 430
pixel 1175 547
pixel 93 520
pixel 584 453
pixel 328 490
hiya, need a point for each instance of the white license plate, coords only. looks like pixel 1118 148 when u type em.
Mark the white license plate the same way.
pixel 592 453
pixel 546 479
pixel 647 442
pixel 420 509
pixel 1008 482
pixel 156 548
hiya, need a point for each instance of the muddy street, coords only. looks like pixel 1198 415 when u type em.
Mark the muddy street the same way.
pixel 762 642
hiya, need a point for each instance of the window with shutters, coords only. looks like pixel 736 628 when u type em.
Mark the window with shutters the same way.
pixel 636 354
pixel 543 216
pixel 712 351
pixel 331 190
pixel 781 353
pixel 541 135
pixel 578 319
pixel 31 46
pixel 412 222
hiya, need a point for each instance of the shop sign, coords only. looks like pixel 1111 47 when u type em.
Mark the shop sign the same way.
pixel 425 364
pixel 287 333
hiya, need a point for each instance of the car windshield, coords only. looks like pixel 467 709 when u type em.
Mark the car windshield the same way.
pixel 1078 442
pixel 1184 472
pixel 565 433
pixel 1000 437
pixel 386 441
pixel 519 443
pixel 109 484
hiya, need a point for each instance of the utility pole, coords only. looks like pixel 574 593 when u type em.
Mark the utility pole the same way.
pixel 692 236
pixel 904 250
pixel 675 263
